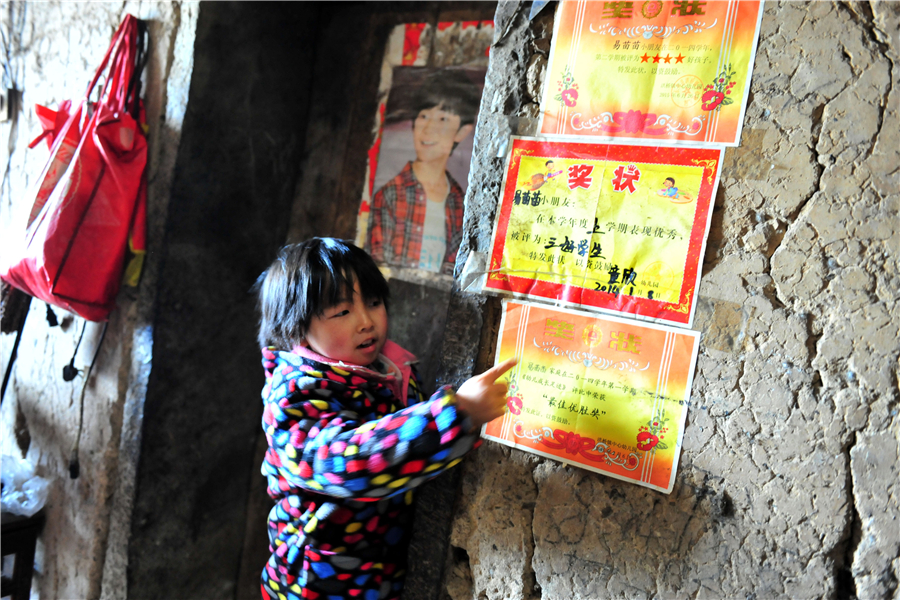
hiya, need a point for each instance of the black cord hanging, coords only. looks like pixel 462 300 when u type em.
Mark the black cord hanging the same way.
pixel 52 321
pixel 15 349
pixel 74 463
pixel 69 371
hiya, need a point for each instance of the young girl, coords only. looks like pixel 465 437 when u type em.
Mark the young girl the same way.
pixel 350 433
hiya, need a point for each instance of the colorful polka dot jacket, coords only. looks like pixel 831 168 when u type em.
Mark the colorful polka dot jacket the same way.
pixel 347 445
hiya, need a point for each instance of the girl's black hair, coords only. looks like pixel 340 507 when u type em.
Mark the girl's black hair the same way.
pixel 672 179
pixel 308 278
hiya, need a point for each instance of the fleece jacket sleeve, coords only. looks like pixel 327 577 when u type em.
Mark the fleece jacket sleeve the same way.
pixel 319 442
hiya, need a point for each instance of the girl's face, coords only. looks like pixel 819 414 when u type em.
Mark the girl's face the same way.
pixel 353 330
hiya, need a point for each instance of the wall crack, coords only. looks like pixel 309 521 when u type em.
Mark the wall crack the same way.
pixel 865 18
pixel 843 552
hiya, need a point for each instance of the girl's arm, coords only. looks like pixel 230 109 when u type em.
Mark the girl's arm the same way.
pixel 318 443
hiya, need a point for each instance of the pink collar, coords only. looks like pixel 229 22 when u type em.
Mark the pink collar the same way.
pixel 398 361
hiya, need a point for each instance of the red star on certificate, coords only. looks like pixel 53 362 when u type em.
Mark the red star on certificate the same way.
pixel 668 58
pixel 679 58
pixel 645 57
pixel 656 58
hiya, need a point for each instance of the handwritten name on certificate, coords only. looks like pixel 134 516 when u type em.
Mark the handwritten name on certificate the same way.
pixel 601 393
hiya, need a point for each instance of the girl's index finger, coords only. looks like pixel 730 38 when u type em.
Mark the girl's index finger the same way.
pixel 495 372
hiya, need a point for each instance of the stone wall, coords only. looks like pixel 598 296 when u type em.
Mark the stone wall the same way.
pixel 788 481
pixel 53 50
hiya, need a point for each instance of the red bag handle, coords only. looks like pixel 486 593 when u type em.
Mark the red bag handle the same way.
pixel 125 34
pixel 128 26
pixel 115 89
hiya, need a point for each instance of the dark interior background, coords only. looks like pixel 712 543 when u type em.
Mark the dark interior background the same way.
pixel 280 115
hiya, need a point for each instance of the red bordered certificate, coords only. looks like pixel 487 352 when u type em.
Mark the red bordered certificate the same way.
pixel 606 227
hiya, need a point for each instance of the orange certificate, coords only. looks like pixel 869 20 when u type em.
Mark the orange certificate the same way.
pixel 602 393
pixel 676 71
pixel 615 228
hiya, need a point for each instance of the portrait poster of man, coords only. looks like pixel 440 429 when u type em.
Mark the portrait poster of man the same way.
pixel 416 211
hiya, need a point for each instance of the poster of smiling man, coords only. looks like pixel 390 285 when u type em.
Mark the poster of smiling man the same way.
pixel 415 219
pixel 411 216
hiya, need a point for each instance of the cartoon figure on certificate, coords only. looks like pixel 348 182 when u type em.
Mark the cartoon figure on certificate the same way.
pixel 550 172
pixel 671 192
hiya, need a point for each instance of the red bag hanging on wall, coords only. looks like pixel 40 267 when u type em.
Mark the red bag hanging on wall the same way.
pixel 89 195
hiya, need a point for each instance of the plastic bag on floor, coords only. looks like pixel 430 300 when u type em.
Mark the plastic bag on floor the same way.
pixel 24 493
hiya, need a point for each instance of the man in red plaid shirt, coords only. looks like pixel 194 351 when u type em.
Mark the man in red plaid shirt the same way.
pixel 416 218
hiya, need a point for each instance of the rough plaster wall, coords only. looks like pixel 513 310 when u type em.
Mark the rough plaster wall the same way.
pixel 53 51
pixel 788 483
